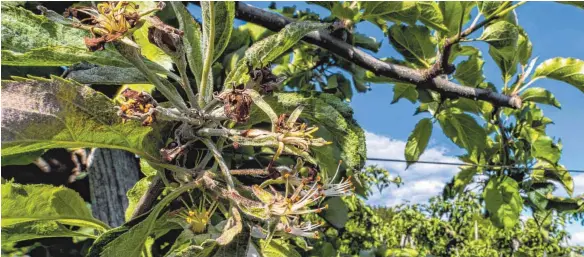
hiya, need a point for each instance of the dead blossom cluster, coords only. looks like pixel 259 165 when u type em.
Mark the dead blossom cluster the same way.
pixel 286 195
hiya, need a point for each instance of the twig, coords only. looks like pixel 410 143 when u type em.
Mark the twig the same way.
pixel 276 22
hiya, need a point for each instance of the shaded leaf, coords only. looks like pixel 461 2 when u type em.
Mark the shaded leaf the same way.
pixel 369 43
pixel 463 130
pixel 506 59
pixel 415 43
pixel 544 171
pixel 337 213
pixel 108 75
pixel 407 91
pixel 418 140
pixel 470 72
pixel 44 114
pixel 463 178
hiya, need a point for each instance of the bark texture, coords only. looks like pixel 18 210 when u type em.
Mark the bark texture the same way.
pixel 111 174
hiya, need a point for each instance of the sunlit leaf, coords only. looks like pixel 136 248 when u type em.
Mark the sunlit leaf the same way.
pixel 418 140
pixel 500 34
pixel 540 95
pixel 569 70
pixel 503 201
pixel 431 15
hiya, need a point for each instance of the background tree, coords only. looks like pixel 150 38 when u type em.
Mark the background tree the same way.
pixel 233 162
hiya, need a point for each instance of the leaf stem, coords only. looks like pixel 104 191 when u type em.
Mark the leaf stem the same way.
pixel 223 167
pixel 203 94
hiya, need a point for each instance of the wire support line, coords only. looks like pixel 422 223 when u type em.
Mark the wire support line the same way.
pixel 465 164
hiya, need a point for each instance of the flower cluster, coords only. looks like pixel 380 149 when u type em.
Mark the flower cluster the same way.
pixel 137 105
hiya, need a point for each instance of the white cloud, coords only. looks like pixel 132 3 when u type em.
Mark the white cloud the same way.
pixel 577 239
pixel 421 181
pixel 578 183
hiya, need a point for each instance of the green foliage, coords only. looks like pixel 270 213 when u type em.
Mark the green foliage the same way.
pixel 569 70
pixel 415 43
pixel 418 140
pixel 41 211
pixel 503 201
pixel 272 160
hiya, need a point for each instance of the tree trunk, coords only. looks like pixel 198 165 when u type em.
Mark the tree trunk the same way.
pixel 111 174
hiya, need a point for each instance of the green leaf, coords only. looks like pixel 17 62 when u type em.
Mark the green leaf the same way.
pixel 149 50
pixel 38 229
pixel 569 70
pixel 501 34
pixel 277 248
pixel 135 193
pixel 124 241
pixel 33 40
pixel 62 56
pixel 488 8
pixel 223 15
pixel 503 201
pixel 544 148
pixel 454 12
pixel 23 31
pixel 415 43
pixel 268 49
pixel 22 158
pixel 344 10
pixel 43 114
pixel 458 50
pixel 463 130
pixel 506 59
pixel 540 95
pixel 463 178
pixel 524 47
pixel 337 213
pixel 544 171
pixel 374 9
pixel 431 15
pixel 369 43
pixel 46 203
pixel 403 90
pixel 418 140
pixel 470 72
pixel 191 39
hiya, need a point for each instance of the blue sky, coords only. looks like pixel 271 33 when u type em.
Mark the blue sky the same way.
pixel 555 31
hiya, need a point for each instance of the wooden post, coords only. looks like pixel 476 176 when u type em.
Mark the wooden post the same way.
pixel 111 174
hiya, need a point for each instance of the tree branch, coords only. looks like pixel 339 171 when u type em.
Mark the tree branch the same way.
pixel 276 22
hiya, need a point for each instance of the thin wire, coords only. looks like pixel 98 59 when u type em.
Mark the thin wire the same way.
pixel 464 164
